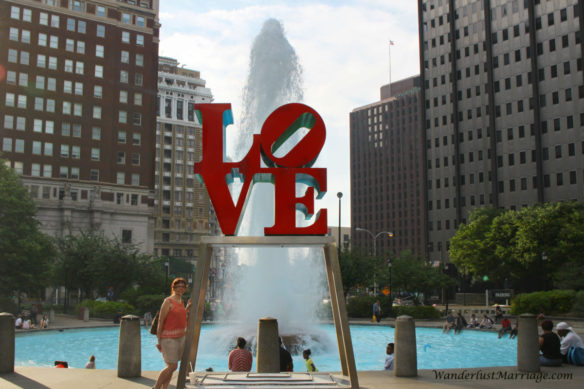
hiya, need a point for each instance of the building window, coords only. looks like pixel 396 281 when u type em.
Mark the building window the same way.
pixel 95 154
pixel 98 71
pixel 98 91
pixel 136 179
pixel 96 133
pixel 126 236
pixel 94 174
pixel 125 37
pixel 121 178
pixel 139 40
pixel 121 136
pixel 100 32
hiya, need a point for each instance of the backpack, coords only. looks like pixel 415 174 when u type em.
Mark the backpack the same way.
pixel 575 356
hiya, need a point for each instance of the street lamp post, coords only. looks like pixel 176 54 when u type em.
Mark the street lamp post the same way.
pixel 166 265
pixel 374 238
pixel 340 196
pixel 390 292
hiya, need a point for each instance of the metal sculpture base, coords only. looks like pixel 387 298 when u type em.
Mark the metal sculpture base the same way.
pixel 266 381
pixel 333 271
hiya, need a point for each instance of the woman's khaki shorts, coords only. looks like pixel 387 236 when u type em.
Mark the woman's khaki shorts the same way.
pixel 172 349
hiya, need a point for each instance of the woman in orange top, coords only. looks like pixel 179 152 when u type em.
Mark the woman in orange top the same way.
pixel 171 331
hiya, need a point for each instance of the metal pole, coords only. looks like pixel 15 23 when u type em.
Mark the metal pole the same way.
pixel 339 195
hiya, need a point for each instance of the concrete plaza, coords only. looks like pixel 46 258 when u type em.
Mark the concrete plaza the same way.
pixel 498 377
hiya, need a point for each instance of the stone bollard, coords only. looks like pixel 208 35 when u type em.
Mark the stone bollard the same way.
pixel 268 352
pixel 129 349
pixel 6 343
pixel 85 314
pixel 405 361
pixel 51 315
pixel 527 344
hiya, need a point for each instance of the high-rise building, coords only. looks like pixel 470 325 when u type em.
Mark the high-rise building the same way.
pixel 77 111
pixel 387 172
pixel 504 111
pixel 182 205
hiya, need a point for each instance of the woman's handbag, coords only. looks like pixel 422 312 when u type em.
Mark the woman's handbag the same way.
pixel 154 326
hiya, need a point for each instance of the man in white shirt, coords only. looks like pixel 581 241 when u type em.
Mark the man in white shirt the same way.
pixel 569 338
pixel 18 323
pixel 389 358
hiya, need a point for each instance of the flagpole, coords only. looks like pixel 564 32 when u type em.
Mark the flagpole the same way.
pixel 389 68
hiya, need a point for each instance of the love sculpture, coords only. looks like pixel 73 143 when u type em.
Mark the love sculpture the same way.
pixel 284 172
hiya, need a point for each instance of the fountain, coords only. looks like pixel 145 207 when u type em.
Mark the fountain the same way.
pixel 286 283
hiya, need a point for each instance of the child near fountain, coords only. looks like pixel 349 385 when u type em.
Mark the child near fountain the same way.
pixel 309 364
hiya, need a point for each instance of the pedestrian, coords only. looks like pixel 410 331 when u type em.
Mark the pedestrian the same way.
pixel 377 311
pixel 171 331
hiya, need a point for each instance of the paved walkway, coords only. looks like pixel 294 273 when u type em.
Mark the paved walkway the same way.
pixel 497 378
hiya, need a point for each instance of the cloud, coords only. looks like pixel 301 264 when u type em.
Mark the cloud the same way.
pixel 342 46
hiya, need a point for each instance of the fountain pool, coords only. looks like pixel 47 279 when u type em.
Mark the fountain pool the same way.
pixel 435 350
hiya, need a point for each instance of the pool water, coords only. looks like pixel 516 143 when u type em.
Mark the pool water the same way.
pixel 435 350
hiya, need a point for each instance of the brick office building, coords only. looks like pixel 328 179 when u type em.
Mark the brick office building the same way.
pixel 77 118
pixel 387 167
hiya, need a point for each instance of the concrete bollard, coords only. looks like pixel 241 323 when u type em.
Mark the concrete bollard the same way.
pixel 268 352
pixel 6 343
pixel 51 315
pixel 405 360
pixel 528 344
pixel 85 314
pixel 129 349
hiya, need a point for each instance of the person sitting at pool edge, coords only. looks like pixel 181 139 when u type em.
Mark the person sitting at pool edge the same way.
pixel 569 339
pixel 549 345
pixel 450 323
pixel 389 357
pixel 505 327
pixel 91 363
pixel 240 359
pixel 487 322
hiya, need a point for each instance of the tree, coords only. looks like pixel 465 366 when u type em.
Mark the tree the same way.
pixel 25 252
pixel 94 264
pixel 542 243
pixel 357 269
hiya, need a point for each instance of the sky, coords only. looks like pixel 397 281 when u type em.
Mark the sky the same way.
pixel 342 45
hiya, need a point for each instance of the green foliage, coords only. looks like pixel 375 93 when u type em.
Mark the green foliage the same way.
pixel 362 306
pixel 578 306
pixel 417 312
pixel 7 305
pixel 543 243
pixel 356 269
pixel 107 309
pixel 93 263
pixel 25 252
pixel 550 302
pixel 149 303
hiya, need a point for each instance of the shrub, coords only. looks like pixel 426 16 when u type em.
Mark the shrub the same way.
pixel 551 302
pixel 7 305
pixel 106 310
pixel 578 306
pixel 417 312
pixel 362 306
pixel 149 303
